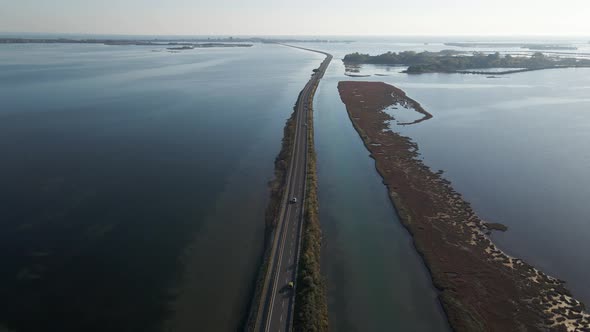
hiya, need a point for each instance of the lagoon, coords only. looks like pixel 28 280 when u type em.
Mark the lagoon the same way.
pixel 135 182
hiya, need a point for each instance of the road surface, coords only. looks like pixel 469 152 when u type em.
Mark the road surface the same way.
pixel 276 307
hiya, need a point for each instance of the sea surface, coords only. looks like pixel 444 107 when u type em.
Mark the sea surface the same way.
pixel 134 182
pixel 517 147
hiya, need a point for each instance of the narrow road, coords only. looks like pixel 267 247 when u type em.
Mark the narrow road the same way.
pixel 278 300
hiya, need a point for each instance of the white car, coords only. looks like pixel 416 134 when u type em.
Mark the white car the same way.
pixel 293 200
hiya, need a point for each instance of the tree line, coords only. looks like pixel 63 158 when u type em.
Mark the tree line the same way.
pixel 450 61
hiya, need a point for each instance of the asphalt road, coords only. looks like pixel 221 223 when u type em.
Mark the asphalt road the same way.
pixel 278 299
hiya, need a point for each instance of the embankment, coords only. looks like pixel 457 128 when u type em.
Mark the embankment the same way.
pixel 310 309
pixel 277 189
pixel 311 306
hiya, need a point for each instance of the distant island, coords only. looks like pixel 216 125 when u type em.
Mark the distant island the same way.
pixel 180 48
pixel 450 61
pixel 186 46
pixel 519 45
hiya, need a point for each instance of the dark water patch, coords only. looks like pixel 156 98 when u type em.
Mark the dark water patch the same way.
pixel 131 177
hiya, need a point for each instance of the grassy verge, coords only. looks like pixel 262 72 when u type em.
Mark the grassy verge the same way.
pixel 277 185
pixel 311 308
pixel 276 188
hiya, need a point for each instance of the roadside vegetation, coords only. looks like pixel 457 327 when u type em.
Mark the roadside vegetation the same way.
pixel 276 188
pixel 277 184
pixel 311 307
pixel 450 61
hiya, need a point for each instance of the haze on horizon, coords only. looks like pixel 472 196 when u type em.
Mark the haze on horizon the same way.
pixel 302 17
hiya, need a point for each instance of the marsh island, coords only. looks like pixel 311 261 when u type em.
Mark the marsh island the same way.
pixel 481 287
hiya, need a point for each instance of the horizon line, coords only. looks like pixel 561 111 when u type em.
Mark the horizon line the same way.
pixel 242 35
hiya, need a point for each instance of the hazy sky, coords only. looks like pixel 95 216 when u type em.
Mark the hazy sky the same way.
pixel 303 17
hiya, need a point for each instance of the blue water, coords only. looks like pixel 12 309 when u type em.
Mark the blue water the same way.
pixel 376 280
pixel 134 182
pixel 516 147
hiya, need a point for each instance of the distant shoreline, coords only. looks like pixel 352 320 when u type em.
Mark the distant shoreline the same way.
pixel 514 71
pixel 516 45
pixel 161 42
pixel 123 42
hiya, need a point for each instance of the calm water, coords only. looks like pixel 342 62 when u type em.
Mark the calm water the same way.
pixel 130 176
pixel 517 147
pixel 135 182
pixel 376 280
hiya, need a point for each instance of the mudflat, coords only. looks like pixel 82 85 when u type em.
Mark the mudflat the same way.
pixel 480 287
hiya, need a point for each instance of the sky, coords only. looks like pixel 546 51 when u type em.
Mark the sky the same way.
pixel 297 17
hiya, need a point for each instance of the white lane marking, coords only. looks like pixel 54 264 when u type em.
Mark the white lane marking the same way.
pixel 283 303
pixel 281 319
pixel 280 239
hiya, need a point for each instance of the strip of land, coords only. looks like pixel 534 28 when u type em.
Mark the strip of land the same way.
pixel 290 292
pixel 177 45
pixel 518 45
pixel 450 61
pixel 311 304
pixel 481 287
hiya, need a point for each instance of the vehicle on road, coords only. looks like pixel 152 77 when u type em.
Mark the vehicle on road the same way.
pixel 293 200
pixel 291 285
